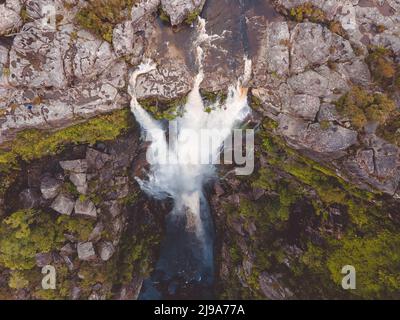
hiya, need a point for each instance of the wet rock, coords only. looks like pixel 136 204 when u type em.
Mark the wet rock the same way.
pixel 29 198
pixel 49 187
pixel 79 180
pixel 10 19
pixel 272 288
pixel 85 208
pixel 63 204
pixel 178 10
pixel 106 250
pixel 77 166
pixel 86 251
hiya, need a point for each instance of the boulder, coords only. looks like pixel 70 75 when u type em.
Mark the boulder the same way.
pixel 77 166
pixel 80 182
pixel 43 259
pixel 86 251
pixel 272 288
pixel 106 250
pixel 178 10
pixel 49 187
pixel 85 208
pixel 63 204
pixel 311 136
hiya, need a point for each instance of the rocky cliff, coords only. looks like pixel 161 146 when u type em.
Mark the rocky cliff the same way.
pixel 325 98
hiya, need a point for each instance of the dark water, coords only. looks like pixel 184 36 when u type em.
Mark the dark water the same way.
pixel 185 268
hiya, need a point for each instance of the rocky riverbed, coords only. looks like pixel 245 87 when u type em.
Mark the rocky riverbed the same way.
pixel 325 96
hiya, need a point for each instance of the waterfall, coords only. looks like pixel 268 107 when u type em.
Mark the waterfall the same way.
pixel 181 165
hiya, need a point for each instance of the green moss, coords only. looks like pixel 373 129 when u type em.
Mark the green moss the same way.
pixel 24 234
pixel 34 144
pixel 79 227
pixel 100 16
pixel 163 16
pixel 192 16
pixel 164 110
pixel 376 260
pixel 17 280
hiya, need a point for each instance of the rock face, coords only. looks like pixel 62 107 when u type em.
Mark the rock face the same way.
pixel 10 19
pixel 94 230
pixel 86 251
pixel 86 208
pixel 49 187
pixel 63 204
pixel 178 10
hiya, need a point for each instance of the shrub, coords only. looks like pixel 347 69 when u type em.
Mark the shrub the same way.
pixel 383 68
pixel 307 11
pixel 360 107
pixel 100 16
pixel 24 234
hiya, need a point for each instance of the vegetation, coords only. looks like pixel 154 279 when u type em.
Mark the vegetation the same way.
pixel 295 209
pixel 100 16
pixel 24 234
pixel 307 11
pixel 34 143
pixel 192 16
pixel 164 110
pixel 384 69
pixel 361 107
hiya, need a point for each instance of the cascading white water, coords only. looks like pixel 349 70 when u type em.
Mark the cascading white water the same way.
pixel 177 169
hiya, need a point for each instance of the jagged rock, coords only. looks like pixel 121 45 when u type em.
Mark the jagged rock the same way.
pixel 63 204
pixel 77 166
pixel 106 250
pixel 96 159
pixel 29 198
pixel 67 250
pixel 49 187
pixel 96 233
pixel 303 135
pixel 114 208
pixel 10 19
pixel 85 208
pixel 86 251
pixel 272 288
pixel 43 259
pixel 92 56
pixel 303 106
pixel 80 182
pixel 314 45
pixel 169 81
pixel 178 10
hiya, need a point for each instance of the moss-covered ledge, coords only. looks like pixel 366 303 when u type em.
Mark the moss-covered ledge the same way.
pixel 34 144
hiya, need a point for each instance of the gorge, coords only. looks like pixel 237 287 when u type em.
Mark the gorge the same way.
pixel 100 110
